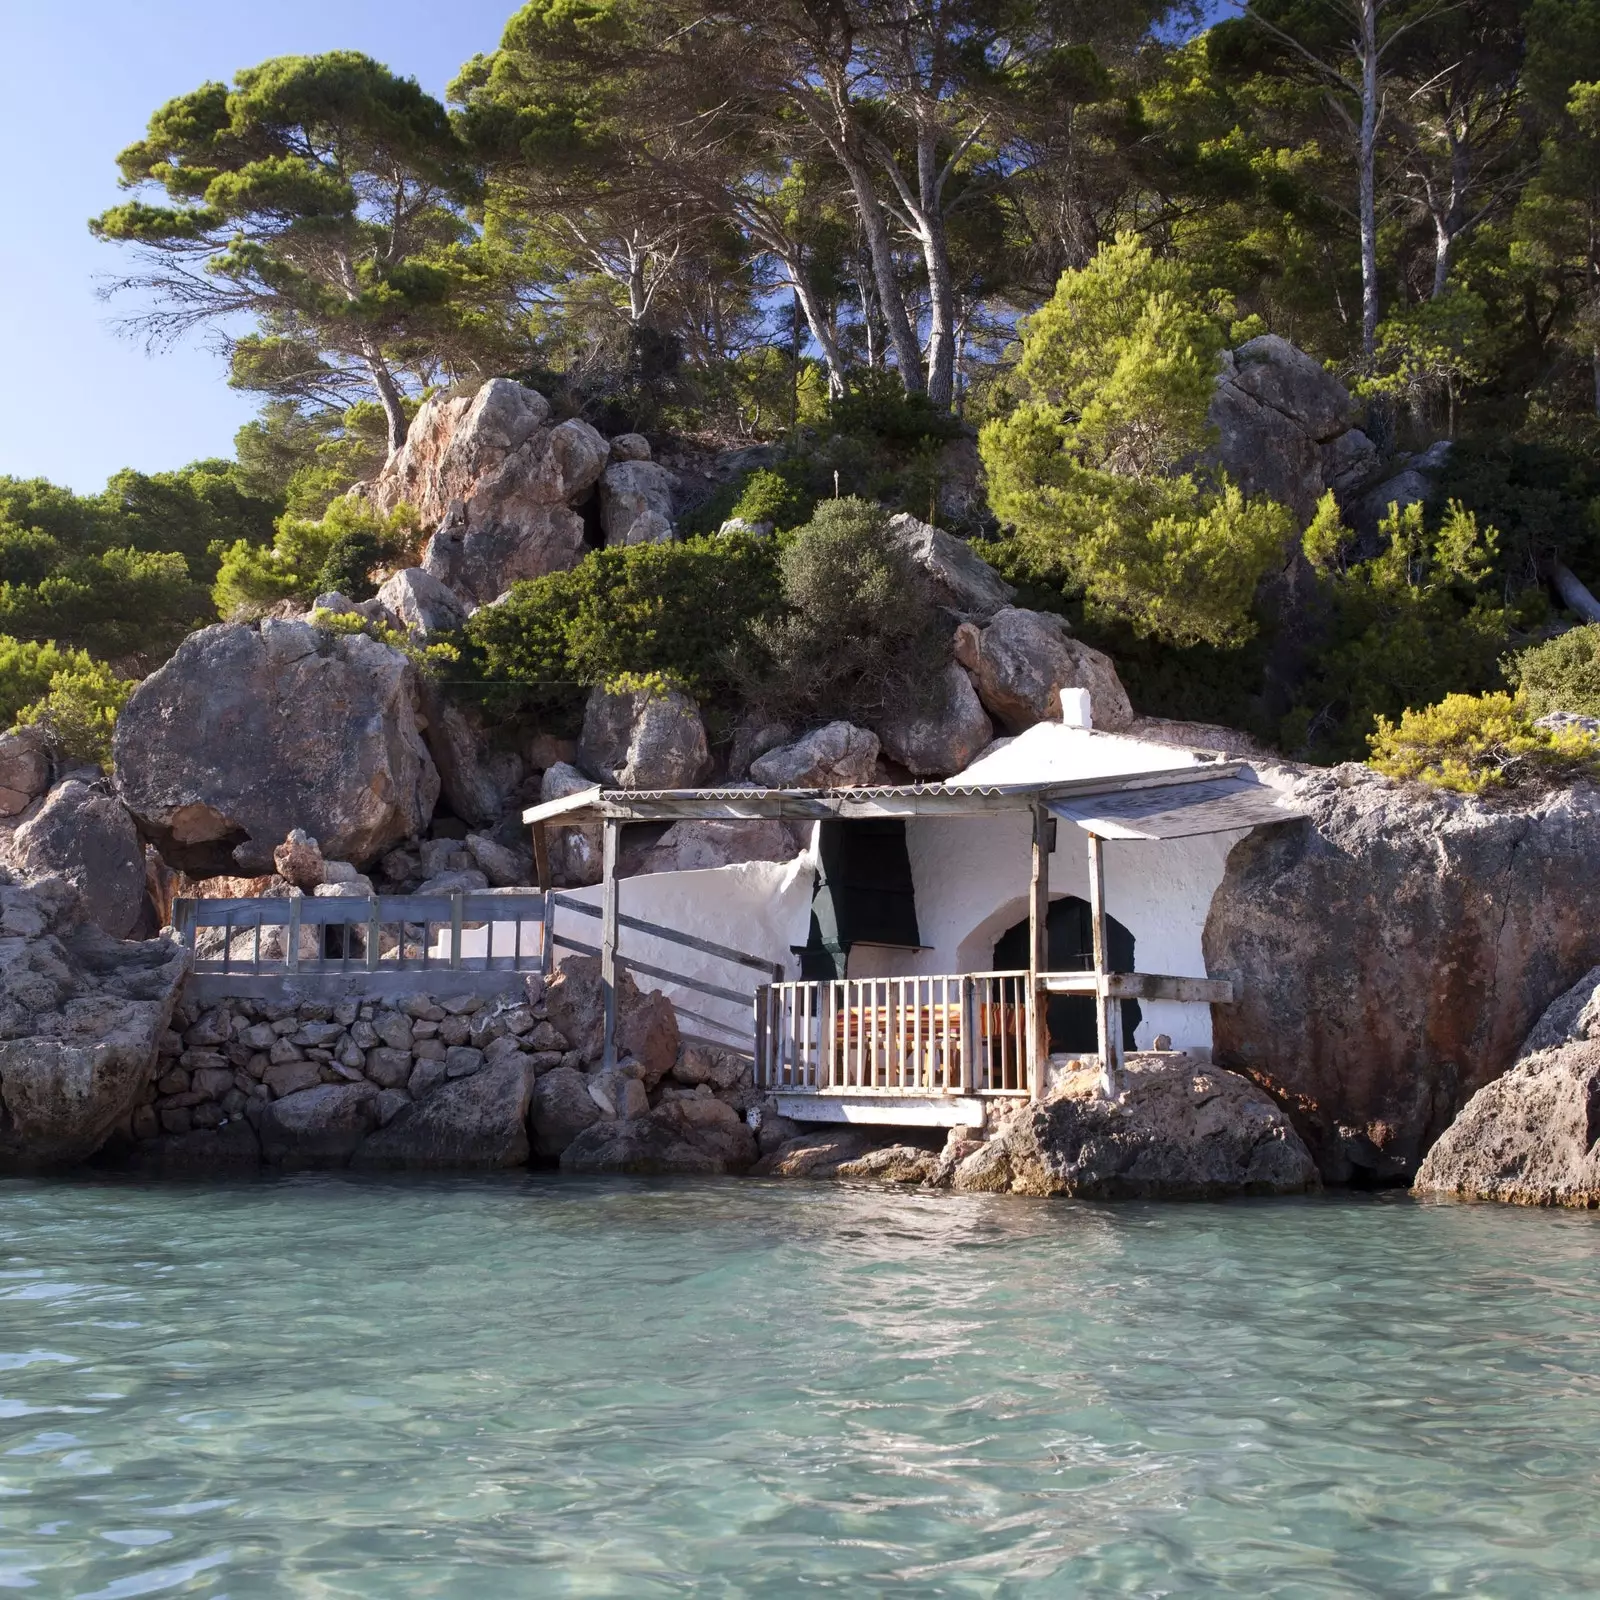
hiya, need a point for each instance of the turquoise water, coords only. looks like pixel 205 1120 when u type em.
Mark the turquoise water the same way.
pixel 325 1388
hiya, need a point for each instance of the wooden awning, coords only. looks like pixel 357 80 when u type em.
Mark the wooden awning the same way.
pixel 1179 811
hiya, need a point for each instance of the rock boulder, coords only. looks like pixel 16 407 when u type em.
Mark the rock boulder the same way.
pixel 421 604
pixel 497 482
pixel 943 736
pixel 1022 660
pixel 475 1121
pixel 641 740
pixel 25 767
pixel 679 1136
pixel 636 502
pixel 250 731
pixel 561 1109
pixel 315 1128
pixel 647 1026
pixel 1180 1131
pixel 837 756
pixel 85 835
pixel 957 577
pixel 1392 952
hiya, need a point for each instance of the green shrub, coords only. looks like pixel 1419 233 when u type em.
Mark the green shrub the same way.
pixel 676 612
pixel 252 579
pixel 769 496
pixel 1560 675
pixel 80 709
pixel 1421 621
pixel 1094 467
pixel 26 669
pixel 877 406
pixel 857 637
pixel 1478 743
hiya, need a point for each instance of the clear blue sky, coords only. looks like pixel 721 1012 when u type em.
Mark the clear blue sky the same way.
pixel 78 78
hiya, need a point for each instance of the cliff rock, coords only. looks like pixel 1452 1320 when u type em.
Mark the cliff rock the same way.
pixel 86 836
pixel 1393 950
pixel 636 502
pixel 679 1136
pixel 475 1121
pixel 25 767
pixel 80 1017
pixel 837 756
pixel 248 732
pixel 957 578
pixel 421 604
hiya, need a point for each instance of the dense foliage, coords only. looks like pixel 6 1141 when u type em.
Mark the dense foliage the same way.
pixel 1561 675
pixel 1481 744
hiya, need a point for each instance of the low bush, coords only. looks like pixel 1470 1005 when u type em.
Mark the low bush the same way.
pixel 345 544
pixel 79 711
pixel 1480 743
pixel 1562 674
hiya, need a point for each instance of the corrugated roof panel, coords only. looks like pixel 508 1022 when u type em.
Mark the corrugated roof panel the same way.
pixel 1179 811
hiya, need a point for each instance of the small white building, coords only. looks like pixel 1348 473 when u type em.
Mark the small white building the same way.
pixel 938 945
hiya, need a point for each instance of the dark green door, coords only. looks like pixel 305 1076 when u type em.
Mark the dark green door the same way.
pixel 1070 945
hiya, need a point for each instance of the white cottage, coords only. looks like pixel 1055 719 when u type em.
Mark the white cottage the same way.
pixel 937 946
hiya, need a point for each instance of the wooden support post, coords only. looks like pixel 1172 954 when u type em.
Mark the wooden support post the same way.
pixel 1108 1012
pixel 541 856
pixel 291 955
pixel 608 937
pixel 1039 953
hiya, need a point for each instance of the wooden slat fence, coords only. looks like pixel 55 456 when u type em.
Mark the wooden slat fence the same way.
pixel 958 1033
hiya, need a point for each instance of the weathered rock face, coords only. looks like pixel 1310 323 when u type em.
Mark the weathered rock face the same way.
pixel 630 447
pixel 562 1108
pixel 696 846
pixel 80 1016
pixel 943 738
pixel 421 604
pixel 1392 952
pixel 681 1136
pixel 498 483
pixel 957 578
pixel 1179 1132
pixel 647 1026
pixel 85 835
pixel 475 1121
pixel 474 781
pixel 1277 411
pixel 838 756
pixel 1410 481
pixel 636 502
pixel 25 767
pixel 317 1127
pixel 1022 661
pixel 640 740
pixel 248 732
pixel 575 851
pixel 1533 1136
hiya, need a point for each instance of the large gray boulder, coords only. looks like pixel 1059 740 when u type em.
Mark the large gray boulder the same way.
pixel 421 604
pixel 1180 1131
pixel 701 1136
pixel 1276 411
pixel 1022 660
pixel 1392 952
pixel 80 1018
pixel 837 756
pixel 642 740
pixel 561 1109
pixel 1532 1137
pixel 636 502
pixel 476 1121
pixel 475 781
pixel 85 835
pixel 25 768
pixel 956 577
pixel 942 736
pixel 315 1128
pixel 248 732
pixel 497 482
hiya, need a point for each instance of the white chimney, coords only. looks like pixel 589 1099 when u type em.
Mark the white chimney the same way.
pixel 1076 710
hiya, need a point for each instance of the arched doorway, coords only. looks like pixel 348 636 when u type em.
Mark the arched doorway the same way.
pixel 1070 948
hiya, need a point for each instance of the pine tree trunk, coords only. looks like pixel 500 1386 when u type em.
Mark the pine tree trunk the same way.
pixel 1368 177
pixel 389 393
pixel 941 287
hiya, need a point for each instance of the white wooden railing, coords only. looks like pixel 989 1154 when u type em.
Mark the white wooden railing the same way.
pixel 958 1033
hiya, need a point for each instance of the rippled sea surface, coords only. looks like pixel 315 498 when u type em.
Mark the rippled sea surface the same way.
pixel 320 1387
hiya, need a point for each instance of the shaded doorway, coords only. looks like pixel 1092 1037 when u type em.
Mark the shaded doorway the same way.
pixel 1070 948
